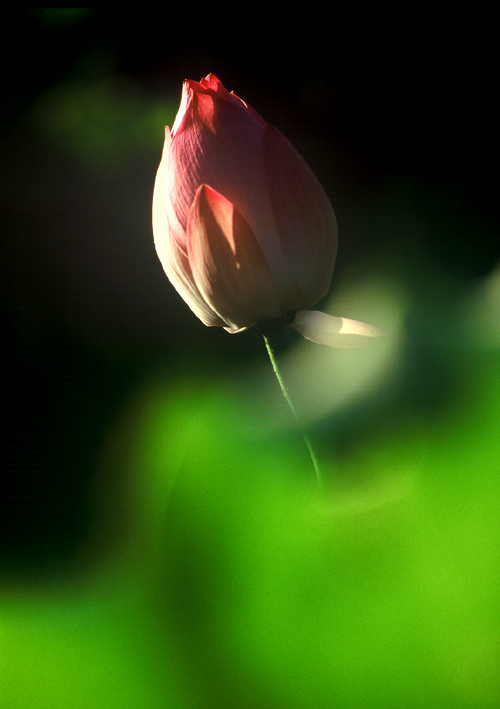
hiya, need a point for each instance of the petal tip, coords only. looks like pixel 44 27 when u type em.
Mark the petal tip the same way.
pixel 333 331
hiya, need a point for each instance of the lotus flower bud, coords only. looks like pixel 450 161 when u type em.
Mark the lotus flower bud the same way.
pixel 242 227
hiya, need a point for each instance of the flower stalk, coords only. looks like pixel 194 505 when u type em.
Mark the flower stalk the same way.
pixel 266 333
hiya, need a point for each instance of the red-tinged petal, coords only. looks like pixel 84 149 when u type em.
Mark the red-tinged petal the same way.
pixel 197 103
pixel 212 83
pixel 333 331
pixel 174 261
pixel 227 263
pixel 304 218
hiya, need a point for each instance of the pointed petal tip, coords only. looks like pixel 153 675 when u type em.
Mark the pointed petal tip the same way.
pixel 332 331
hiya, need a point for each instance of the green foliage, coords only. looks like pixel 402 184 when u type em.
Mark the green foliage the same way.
pixel 220 575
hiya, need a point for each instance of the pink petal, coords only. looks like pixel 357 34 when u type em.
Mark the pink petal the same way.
pixel 304 220
pixel 333 331
pixel 227 263
pixel 174 261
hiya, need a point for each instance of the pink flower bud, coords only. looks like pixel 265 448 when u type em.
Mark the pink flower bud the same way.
pixel 242 227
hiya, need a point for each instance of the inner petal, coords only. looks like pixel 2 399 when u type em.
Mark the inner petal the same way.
pixel 227 262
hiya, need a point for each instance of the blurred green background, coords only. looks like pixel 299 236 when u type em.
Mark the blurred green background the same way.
pixel 162 539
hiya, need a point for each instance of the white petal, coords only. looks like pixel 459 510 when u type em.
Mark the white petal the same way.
pixel 333 331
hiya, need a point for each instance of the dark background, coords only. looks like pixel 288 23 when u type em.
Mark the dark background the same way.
pixel 395 115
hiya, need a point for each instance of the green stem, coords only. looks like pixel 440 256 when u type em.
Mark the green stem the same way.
pixel 286 394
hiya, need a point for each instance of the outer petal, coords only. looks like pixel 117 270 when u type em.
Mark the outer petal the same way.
pixel 227 262
pixel 304 218
pixel 333 331
pixel 174 261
